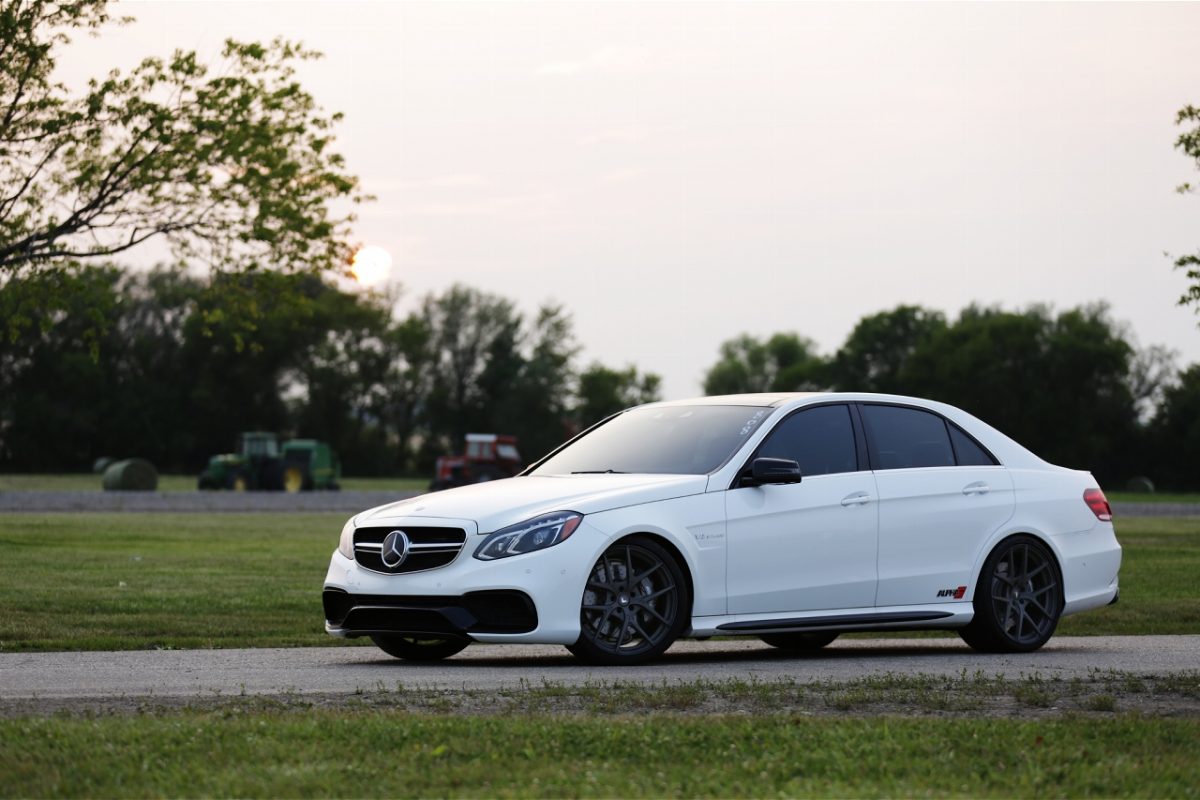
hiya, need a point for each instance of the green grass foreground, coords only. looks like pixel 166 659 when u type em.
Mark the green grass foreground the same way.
pixel 88 482
pixel 388 753
pixel 138 581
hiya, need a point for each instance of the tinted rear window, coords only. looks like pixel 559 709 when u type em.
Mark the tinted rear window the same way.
pixel 820 440
pixel 907 437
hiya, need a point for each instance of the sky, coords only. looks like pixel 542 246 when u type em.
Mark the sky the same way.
pixel 676 174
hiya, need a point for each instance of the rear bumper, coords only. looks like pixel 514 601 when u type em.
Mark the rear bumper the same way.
pixel 1091 565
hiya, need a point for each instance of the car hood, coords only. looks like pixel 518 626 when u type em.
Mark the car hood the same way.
pixel 496 504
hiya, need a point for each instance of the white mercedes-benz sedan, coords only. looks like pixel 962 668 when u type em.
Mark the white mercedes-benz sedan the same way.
pixel 790 517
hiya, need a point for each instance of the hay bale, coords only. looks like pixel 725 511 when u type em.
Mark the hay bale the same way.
pixel 1140 484
pixel 131 475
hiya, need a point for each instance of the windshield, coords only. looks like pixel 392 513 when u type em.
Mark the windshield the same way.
pixel 677 440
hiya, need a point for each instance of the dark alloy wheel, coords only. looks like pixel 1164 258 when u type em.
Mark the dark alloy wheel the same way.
pixel 420 648
pixel 1018 600
pixel 798 642
pixel 634 606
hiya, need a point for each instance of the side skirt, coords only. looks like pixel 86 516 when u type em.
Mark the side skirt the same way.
pixel 941 616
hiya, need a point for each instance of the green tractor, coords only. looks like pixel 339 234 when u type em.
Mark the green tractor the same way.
pixel 260 464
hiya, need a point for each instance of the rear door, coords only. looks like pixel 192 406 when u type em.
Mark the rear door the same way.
pixel 941 494
pixel 809 545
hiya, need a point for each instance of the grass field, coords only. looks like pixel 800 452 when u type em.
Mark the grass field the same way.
pixel 238 751
pixel 84 482
pixel 139 581
pixel 1157 497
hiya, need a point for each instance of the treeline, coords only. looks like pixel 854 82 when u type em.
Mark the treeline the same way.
pixel 171 367
pixel 1072 386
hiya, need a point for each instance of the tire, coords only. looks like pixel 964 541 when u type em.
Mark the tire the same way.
pixel 634 606
pixel 799 642
pixel 420 648
pixel 236 481
pixel 293 480
pixel 1018 599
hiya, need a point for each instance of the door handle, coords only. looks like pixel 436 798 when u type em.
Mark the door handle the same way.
pixel 856 499
pixel 979 487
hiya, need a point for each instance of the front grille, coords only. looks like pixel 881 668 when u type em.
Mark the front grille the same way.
pixel 491 611
pixel 429 548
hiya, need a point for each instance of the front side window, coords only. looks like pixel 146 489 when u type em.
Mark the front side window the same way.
pixel 820 440
pixel 679 440
pixel 904 438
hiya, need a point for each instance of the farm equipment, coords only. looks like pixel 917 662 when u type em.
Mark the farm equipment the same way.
pixel 261 464
pixel 488 457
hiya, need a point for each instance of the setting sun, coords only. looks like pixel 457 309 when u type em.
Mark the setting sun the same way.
pixel 372 266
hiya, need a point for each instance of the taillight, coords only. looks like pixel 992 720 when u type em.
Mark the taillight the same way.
pixel 1098 503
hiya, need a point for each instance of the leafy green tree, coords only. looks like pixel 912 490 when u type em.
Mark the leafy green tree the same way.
pixel 473 337
pixel 232 166
pixel 340 384
pixel 786 362
pixel 494 371
pixel 604 391
pixel 1188 142
pixel 1059 384
pixel 539 401
pixel 874 356
pixel 1176 434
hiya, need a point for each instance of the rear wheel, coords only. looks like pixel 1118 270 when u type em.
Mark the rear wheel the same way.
pixel 1019 598
pixel 798 642
pixel 634 606
pixel 420 648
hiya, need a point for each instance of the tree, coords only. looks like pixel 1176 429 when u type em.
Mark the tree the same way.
pixel 1176 433
pixel 874 356
pixel 232 166
pixel 604 391
pixel 1188 141
pixel 474 337
pixel 1058 384
pixel 786 362
pixel 539 402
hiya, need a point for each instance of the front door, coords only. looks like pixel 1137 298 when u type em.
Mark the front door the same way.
pixel 810 545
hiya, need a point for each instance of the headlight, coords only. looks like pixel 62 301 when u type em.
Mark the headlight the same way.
pixel 346 543
pixel 525 537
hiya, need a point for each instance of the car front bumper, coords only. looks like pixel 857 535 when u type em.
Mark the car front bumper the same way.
pixel 468 597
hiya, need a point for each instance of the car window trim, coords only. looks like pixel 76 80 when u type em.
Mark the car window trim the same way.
pixel 860 463
pixel 873 452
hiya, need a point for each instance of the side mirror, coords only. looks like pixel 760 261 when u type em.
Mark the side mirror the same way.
pixel 772 470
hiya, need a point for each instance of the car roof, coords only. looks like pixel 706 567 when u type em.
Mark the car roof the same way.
pixel 778 399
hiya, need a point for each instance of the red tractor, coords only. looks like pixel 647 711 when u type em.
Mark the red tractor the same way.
pixel 489 457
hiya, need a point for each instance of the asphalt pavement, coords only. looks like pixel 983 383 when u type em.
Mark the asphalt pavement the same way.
pixel 326 670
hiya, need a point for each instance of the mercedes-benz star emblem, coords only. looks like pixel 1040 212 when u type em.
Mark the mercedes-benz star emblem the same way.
pixel 395 549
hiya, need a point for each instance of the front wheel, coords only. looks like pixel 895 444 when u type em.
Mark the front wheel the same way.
pixel 1018 600
pixel 798 642
pixel 419 648
pixel 634 606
